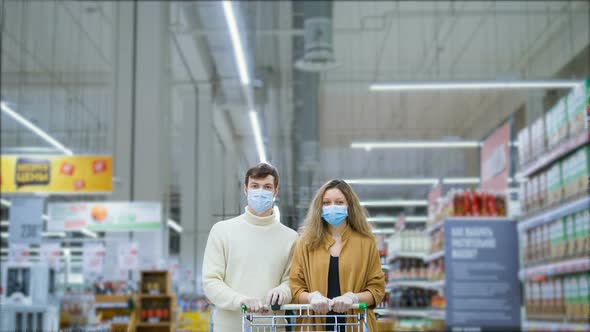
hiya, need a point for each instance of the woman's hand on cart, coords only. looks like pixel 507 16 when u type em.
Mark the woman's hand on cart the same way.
pixel 319 303
pixel 343 303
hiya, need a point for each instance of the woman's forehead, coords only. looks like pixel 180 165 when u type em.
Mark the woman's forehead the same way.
pixel 333 193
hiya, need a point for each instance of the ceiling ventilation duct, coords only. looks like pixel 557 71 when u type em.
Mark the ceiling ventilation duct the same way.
pixel 318 52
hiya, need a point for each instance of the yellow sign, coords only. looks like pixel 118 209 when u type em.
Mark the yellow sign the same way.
pixel 56 174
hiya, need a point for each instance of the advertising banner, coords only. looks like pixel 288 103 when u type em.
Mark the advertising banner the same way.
pixel 495 160
pixel 93 260
pixel 128 256
pixel 56 174
pixel 50 253
pixel 26 221
pixel 105 216
pixel 18 252
pixel 481 271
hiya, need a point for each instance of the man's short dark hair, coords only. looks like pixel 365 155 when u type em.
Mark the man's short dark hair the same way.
pixel 261 171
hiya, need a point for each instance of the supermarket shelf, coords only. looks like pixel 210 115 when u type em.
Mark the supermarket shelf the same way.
pixel 476 219
pixel 432 228
pixel 551 269
pixel 552 326
pixel 554 213
pixel 406 254
pixel 434 256
pixel 420 313
pixel 409 283
pixel 439 284
pixel 382 312
pixel 436 314
pixel 155 296
pixel 111 305
pixel 160 324
pixel 548 158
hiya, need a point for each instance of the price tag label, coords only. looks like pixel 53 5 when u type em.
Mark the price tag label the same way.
pixel 26 221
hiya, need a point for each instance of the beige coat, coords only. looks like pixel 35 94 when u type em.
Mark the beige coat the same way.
pixel 359 269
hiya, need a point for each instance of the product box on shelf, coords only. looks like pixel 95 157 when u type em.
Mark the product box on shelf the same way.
pixel 534 192
pixel 579 172
pixel 538 137
pixel 570 235
pixel 542 195
pixel 582 299
pixel 524 146
pixel 561 122
pixel 554 184
pixel 583 231
pixel 578 108
pixel 559 303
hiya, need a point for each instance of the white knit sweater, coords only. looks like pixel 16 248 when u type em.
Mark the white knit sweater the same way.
pixel 245 257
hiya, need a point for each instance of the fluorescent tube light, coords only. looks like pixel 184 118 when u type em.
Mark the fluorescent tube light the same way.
pixel 236 41
pixel 384 231
pixel 4 223
pixel 396 202
pixel 415 145
pixel 88 232
pixel 174 225
pixel 472 85
pixel 9 111
pixel 461 180
pixel 58 234
pixel 4 235
pixel 257 136
pixel 391 219
pixel 5 202
pixel 409 181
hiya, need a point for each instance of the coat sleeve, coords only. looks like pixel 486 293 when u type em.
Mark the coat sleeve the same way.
pixel 375 277
pixel 297 281
pixel 285 278
pixel 214 263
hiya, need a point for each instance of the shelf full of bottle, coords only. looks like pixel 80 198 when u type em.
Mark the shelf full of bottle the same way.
pixel 458 203
pixel 156 310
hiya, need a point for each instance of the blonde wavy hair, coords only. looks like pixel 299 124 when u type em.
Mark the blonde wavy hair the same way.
pixel 315 227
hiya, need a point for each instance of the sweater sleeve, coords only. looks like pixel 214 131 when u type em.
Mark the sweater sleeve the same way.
pixel 297 281
pixel 285 278
pixel 375 278
pixel 214 263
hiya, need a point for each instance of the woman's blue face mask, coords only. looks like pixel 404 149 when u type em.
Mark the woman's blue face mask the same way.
pixel 334 214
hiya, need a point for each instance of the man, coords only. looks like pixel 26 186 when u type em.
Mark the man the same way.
pixel 247 258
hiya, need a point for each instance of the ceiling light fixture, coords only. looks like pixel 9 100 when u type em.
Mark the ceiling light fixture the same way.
pixel 415 145
pixel 472 180
pixel 399 181
pixel 88 232
pixel 258 136
pixel 174 225
pixel 384 231
pixel 396 202
pixel 232 26
pixel 20 119
pixel 391 219
pixel 5 202
pixel 472 85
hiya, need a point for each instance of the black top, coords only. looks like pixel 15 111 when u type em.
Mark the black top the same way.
pixel 333 278
pixel 334 291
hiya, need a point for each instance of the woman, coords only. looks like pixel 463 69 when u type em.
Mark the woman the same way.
pixel 336 261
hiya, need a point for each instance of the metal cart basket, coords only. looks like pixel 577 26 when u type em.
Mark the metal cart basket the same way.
pixel 276 322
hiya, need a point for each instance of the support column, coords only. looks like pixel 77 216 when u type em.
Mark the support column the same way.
pixel 196 196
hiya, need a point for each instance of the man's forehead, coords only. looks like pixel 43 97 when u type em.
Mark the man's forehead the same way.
pixel 267 179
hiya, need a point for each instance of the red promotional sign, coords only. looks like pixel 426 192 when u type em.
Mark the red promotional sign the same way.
pixel 495 160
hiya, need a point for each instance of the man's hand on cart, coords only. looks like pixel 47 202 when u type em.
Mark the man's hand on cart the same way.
pixel 344 303
pixel 319 303
pixel 253 304
pixel 276 296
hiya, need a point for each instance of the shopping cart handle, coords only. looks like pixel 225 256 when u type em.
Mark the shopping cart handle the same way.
pixel 359 306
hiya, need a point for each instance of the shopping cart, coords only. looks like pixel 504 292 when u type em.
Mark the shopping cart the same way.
pixel 270 323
